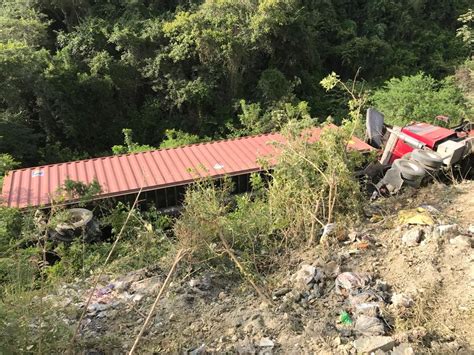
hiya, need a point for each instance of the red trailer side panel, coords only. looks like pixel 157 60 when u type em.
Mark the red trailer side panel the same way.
pixel 127 174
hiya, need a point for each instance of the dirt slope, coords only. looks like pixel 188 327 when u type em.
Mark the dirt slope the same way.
pixel 204 312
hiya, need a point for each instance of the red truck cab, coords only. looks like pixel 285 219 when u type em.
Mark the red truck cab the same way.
pixel 428 135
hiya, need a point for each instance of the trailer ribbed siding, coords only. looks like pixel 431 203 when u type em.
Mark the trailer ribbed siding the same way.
pixel 152 170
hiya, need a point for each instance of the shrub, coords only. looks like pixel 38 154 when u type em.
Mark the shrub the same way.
pixel 464 77
pixel 176 138
pixel 314 183
pixel 203 216
pixel 29 326
pixel 419 98
pixel 19 271
pixel 129 145
pixel 255 120
pixel 10 227
pixel 7 163
pixel 251 230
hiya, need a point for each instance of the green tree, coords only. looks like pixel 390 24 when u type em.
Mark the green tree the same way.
pixel 466 31
pixel 419 98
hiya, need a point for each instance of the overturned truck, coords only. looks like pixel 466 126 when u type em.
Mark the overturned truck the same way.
pixel 419 150
pixel 407 156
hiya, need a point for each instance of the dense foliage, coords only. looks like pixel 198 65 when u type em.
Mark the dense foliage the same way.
pixel 419 98
pixel 75 73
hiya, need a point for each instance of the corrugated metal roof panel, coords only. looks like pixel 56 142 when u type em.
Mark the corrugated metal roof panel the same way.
pixel 124 174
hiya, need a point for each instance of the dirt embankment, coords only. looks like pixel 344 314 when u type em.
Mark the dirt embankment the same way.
pixel 402 282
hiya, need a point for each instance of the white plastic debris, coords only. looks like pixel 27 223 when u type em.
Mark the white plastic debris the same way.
pixel 351 281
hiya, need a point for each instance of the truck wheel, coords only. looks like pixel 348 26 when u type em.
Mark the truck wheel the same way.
pixel 81 222
pixel 410 170
pixel 428 158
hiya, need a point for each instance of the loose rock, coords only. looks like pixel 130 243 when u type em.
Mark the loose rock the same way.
pixel 304 276
pixel 401 300
pixel 447 229
pixel 403 349
pixel 461 241
pixel 266 343
pixel 374 343
pixel 281 292
pixel 413 237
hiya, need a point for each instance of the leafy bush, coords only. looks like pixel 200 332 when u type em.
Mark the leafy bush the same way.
pixel 175 138
pixel 255 120
pixel 10 227
pixel 129 145
pixel 419 98
pixel 314 183
pixel 7 163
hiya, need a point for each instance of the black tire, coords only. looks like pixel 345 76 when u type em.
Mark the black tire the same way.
pixel 410 169
pixel 66 236
pixel 82 222
pixel 428 158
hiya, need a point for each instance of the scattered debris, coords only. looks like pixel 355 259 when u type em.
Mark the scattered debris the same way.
pixel 367 309
pixel 418 216
pixel 367 325
pixel 345 318
pixel 349 301
pixel 351 281
pixel 352 236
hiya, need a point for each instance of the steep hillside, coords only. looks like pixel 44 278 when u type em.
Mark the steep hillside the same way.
pixel 410 291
